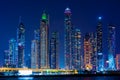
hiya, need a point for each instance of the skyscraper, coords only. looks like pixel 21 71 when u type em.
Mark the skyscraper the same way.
pixel 6 58
pixel 34 54
pixel 21 44
pixel 77 55
pixel 35 50
pixel 44 55
pixel 111 47
pixel 93 41
pixel 68 41
pixel 87 52
pixel 13 56
pixel 99 46
pixel 54 47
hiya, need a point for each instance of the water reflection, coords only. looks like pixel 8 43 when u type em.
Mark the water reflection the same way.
pixel 25 78
pixel 64 78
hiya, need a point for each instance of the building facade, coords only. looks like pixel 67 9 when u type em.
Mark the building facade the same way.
pixel 77 55
pixel 68 40
pixel 13 53
pixel 111 48
pixel 87 52
pixel 35 54
pixel 21 44
pixel 99 32
pixel 54 51
pixel 44 54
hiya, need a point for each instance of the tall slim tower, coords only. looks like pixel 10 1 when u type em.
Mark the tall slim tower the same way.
pixel 68 43
pixel 44 55
pixel 21 44
pixel 99 46
pixel 54 45
pixel 111 47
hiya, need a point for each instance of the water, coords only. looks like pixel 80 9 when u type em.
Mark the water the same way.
pixel 64 78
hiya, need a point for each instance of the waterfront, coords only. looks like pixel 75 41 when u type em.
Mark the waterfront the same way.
pixel 63 78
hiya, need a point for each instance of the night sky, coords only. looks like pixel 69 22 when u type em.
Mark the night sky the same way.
pixel 84 17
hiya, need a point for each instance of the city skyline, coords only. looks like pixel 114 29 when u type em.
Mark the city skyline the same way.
pixel 55 24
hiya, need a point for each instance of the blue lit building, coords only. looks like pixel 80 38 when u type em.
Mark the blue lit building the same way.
pixel 21 44
pixel 54 48
pixel 44 54
pixel 13 56
pixel 68 40
pixel 100 61
pixel 6 58
pixel 111 48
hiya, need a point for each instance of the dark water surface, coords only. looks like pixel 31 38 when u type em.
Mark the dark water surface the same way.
pixel 64 78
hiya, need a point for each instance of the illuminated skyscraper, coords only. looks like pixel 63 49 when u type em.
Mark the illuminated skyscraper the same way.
pixel 34 54
pixel 6 58
pixel 93 41
pixel 118 61
pixel 111 47
pixel 21 44
pixel 68 43
pixel 87 52
pixel 13 53
pixel 35 50
pixel 99 46
pixel 77 55
pixel 44 54
pixel 54 51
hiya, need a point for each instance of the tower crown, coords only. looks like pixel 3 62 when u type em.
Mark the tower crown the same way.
pixel 44 15
pixel 67 11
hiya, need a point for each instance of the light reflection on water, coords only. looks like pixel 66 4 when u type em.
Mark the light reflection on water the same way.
pixel 25 78
pixel 64 78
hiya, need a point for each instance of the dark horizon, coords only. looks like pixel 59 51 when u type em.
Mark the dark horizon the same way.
pixel 84 16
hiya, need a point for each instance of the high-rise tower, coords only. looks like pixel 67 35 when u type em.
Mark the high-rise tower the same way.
pixel 13 53
pixel 21 44
pixel 54 47
pixel 35 50
pixel 44 55
pixel 99 45
pixel 87 52
pixel 68 43
pixel 111 47
pixel 77 55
